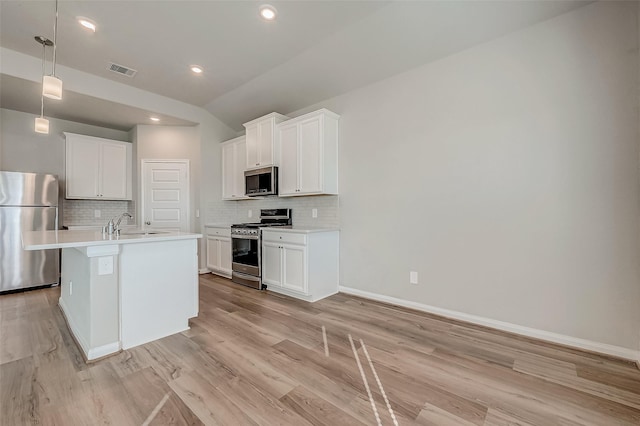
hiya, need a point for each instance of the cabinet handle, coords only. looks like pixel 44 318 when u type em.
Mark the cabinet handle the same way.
pixel 257 164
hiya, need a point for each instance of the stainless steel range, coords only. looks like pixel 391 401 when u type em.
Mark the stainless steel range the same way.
pixel 246 244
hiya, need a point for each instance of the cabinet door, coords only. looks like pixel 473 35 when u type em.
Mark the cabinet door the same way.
pixel 288 171
pixel 228 171
pixel 310 151
pixel 225 255
pixel 294 275
pixel 82 168
pixel 113 168
pixel 271 264
pixel 240 165
pixel 265 142
pixel 252 147
pixel 213 253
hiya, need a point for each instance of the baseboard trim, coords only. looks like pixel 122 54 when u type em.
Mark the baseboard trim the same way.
pixel 103 351
pixel 203 271
pixel 89 354
pixel 129 345
pixel 574 342
pixel 84 346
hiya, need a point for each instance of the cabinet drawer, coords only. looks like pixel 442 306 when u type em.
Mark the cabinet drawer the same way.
pixel 285 237
pixel 220 232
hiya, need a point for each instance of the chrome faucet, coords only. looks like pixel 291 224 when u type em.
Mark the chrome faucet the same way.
pixel 114 228
pixel 117 225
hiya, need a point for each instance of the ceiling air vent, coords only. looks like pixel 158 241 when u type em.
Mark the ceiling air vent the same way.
pixel 119 69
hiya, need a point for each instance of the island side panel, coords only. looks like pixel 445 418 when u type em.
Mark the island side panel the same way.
pixel 75 292
pixel 105 312
pixel 89 298
pixel 158 289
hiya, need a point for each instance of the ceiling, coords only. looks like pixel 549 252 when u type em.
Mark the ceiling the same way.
pixel 24 95
pixel 314 50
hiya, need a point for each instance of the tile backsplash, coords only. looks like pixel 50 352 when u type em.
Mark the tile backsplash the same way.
pixel 327 206
pixel 82 212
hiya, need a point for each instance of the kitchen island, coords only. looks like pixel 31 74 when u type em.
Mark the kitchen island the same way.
pixel 121 291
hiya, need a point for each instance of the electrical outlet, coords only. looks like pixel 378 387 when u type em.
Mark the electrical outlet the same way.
pixel 250 213
pixel 70 288
pixel 105 265
pixel 413 277
pixel 97 214
pixel 314 213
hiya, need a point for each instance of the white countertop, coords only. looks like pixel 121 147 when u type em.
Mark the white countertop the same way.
pixel 37 240
pixel 299 230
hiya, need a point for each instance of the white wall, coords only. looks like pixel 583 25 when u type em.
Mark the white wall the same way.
pixel 174 143
pixel 210 130
pixel 24 150
pixel 193 144
pixel 507 176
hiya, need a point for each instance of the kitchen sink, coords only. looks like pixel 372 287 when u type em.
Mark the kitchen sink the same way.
pixel 143 232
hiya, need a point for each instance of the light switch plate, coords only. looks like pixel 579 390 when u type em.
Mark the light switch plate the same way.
pixel 413 277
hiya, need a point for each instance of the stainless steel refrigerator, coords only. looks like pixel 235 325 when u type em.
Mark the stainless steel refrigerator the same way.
pixel 28 202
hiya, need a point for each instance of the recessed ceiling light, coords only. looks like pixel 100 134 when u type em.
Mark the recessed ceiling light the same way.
pixel 196 69
pixel 268 12
pixel 156 119
pixel 87 23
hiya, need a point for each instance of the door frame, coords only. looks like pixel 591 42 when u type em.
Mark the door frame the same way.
pixel 146 161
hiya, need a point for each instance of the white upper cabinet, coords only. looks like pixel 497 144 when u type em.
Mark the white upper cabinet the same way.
pixel 308 148
pixel 261 136
pixel 97 168
pixel 233 165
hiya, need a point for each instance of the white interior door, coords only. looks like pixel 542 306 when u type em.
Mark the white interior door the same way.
pixel 165 194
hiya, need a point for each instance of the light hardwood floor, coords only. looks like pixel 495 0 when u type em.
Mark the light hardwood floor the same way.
pixel 259 358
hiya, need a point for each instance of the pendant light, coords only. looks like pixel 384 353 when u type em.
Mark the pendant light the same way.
pixel 52 85
pixel 42 124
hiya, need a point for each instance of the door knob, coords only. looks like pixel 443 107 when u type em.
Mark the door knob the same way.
pixel 148 222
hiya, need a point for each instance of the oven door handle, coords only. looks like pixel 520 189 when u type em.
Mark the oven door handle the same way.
pixel 245 237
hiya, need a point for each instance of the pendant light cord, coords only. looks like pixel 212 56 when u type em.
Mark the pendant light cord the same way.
pixel 55 42
pixel 44 49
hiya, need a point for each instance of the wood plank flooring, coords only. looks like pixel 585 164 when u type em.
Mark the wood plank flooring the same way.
pixel 258 358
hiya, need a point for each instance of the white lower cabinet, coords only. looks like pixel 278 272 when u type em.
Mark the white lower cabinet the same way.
pixel 271 264
pixel 302 264
pixel 219 250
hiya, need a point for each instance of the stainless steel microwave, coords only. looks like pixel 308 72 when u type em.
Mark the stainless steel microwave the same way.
pixel 262 181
